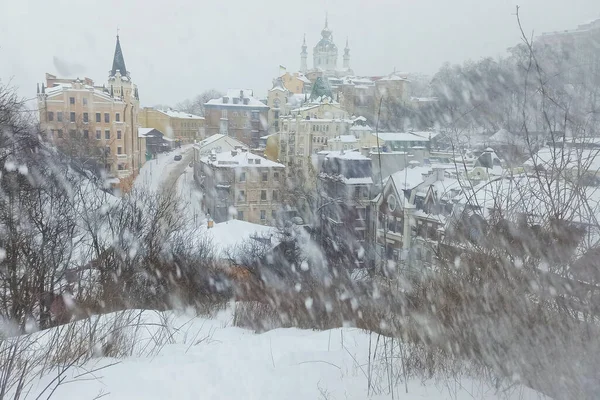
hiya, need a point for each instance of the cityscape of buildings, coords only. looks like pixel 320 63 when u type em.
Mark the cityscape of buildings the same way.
pixel 393 189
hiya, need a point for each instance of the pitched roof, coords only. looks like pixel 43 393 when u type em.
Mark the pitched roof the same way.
pixel 118 61
pixel 241 158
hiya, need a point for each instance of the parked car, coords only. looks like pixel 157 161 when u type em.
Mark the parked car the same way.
pixel 177 157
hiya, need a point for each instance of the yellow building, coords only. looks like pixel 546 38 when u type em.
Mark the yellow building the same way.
pixel 98 123
pixel 173 124
pixel 296 82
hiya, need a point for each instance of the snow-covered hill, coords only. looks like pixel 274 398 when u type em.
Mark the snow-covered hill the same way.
pixel 209 359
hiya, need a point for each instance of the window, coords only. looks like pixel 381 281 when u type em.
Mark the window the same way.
pixel 107 150
pixel 50 116
pixel 240 215
pixel 243 177
pixel 59 116
pixel 265 176
pixel 263 195
pixel 119 150
pixel 118 134
pixel 121 167
pixel 86 134
pixel 60 133
pixel 98 134
pixel 117 117
pixel 361 213
pixel 224 114
pixel 86 117
pixel 274 198
pixel 273 214
pixel 241 196
pixel 106 117
pixel 85 101
pixel 71 100
pixel 255 115
pixel 275 176
pixel 72 117
pixel 107 167
pixel 98 117
pixel 106 135
pixel 72 133
pixel 263 215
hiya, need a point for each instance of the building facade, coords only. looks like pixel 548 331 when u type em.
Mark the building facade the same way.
pixel 99 123
pixel 344 186
pixel 237 114
pixel 176 125
pixel 240 185
pixel 307 130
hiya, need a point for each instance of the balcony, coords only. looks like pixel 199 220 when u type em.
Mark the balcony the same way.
pixel 123 173
pixel 121 156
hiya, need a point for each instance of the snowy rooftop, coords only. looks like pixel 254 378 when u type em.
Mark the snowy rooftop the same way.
pixel 346 155
pixel 361 128
pixel 58 88
pixel 142 132
pixel 247 99
pixel 409 178
pixel 400 137
pixel 556 158
pixel 240 158
pixel 179 114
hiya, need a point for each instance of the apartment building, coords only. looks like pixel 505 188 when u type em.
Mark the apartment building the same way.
pixel 99 123
pixel 344 187
pixel 176 125
pixel 237 114
pixel 307 130
pixel 240 185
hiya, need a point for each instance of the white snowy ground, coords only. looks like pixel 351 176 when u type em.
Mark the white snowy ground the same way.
pixel 209 359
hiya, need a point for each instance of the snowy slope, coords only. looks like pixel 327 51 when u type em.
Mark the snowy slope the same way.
pixel 210 360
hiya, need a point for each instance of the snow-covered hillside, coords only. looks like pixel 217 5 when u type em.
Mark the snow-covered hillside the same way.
pixel 210 359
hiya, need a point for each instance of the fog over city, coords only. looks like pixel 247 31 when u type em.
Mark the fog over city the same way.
pixel 177 49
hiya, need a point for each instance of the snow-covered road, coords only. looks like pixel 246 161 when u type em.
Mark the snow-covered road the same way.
pixel 162 172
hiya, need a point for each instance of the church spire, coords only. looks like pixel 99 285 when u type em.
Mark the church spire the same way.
pixel 118 61
pixel 326 20
pixel 303 56
pixel 347 55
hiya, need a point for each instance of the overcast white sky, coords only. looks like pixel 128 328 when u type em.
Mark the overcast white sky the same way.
pixel 176 49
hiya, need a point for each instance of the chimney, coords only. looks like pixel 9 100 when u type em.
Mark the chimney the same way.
pixel 439 173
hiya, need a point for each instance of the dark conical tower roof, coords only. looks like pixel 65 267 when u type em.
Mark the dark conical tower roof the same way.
pixel 118 61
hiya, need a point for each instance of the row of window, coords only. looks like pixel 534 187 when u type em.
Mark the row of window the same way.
pixel 86 134
pixel 120 167
pixel 72 117
pixel 264 176
pixel 72 100
pixel 255 115
pixel 263 215
pixel 241 197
